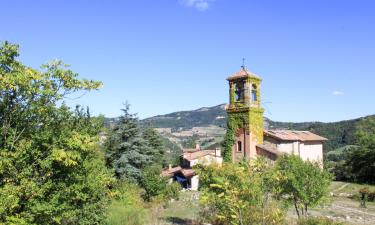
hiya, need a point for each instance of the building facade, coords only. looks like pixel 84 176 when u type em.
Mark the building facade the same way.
pixel 245 116
pixel 246 139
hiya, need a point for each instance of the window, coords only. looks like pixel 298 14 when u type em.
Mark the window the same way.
pixel 239 146
pixel 254 94
pixel 239 91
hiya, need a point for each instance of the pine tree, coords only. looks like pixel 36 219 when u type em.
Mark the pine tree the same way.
pixel 156 143
pixel 127 151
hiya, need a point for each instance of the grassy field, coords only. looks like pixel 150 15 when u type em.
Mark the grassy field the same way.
pixel 341 207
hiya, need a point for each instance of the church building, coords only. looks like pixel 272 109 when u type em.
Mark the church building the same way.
pixel 246 139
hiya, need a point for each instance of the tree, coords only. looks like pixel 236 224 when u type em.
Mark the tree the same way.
pixel 51 169
pixel 302 183
pixel 155 142
pixel 361 159
pixel 238 194
pixel 153 183
pixel 127 152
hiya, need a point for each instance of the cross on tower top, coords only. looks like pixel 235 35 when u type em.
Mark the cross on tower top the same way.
pixel 243 63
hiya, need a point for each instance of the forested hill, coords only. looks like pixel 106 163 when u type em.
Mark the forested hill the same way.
pixel 339 133
pixel 202 117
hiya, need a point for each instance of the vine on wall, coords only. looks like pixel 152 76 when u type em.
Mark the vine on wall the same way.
pixel 251 120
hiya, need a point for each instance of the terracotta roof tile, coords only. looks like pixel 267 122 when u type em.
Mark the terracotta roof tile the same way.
pixel 242 73
pixel 197 154
pixel 169 172
pixel 293 135
pixel 188 172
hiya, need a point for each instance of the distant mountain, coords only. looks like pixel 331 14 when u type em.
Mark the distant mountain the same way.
pixel 203 117
pixel 207 126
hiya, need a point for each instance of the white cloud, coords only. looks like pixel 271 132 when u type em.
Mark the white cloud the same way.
pixel 337 93
pixel 201 5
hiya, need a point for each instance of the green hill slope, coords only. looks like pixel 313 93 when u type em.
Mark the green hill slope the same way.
pixel 207 127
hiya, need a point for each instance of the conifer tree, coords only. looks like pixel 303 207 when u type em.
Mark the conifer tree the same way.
pixel 156 143
pixel 127 151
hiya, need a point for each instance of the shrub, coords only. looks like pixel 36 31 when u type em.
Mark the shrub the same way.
pixel 127 207
pixel 317 221
pixel 371 196
pixel 172 191
pixel 230 192
pixel 153 183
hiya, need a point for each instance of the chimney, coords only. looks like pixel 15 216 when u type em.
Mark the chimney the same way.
pixel 217 152
pixel 197 147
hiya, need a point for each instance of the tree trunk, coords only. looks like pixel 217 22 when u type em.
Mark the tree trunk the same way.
pixel 295 206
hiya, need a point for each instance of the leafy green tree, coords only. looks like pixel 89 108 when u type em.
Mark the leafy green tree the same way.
pixel 361 160
pixel 153 183
pixel 127 152
pixel 239 194
pixel 51 169
pixel 303 183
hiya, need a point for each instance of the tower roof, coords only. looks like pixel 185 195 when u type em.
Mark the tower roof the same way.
pixel 243 73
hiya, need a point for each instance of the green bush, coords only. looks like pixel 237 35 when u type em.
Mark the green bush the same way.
pixel 127 207
pixel 172 191
pixel 317 221
pixel 120 214
pixel 153 183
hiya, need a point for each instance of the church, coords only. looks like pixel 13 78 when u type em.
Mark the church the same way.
pixel 246 138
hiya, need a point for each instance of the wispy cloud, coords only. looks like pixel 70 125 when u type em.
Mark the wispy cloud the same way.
pixel 201 5
pixel 337 93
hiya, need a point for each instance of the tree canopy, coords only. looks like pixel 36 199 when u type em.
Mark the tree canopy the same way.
pixel 361 160
pixel 51 169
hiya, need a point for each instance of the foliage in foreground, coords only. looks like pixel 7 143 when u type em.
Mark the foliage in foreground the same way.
pixel 304 184
pixel 128 206
pixel 230 192
pixel 317 221
pixel 51 169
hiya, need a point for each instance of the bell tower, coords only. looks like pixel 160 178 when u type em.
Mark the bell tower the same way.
pixel 245 116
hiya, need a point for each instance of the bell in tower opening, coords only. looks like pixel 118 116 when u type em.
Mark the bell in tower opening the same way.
pixel 245 116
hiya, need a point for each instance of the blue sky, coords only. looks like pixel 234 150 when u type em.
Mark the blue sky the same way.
pixel 316 58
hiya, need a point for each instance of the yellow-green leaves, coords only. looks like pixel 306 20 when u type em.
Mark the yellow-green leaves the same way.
pixel 51 170
pixel 67 158
pixel 238 194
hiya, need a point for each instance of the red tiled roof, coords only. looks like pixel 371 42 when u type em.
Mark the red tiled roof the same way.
pixel 191 155
pixel 188 172
pixel 293 135
pixel 242 74
pixel 169 172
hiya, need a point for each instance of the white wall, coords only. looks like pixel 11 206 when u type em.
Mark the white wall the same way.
pixel 194 183
pixel 312 151
pixel 286 147
pixel 206 160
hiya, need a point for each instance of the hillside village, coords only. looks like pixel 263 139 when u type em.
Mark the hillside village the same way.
pixel 92 130
pixel 249 139
pixel 132 173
